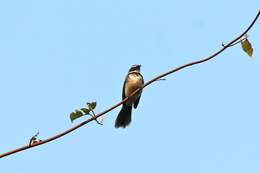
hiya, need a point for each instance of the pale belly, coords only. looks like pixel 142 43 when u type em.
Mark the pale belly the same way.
pixel 133 83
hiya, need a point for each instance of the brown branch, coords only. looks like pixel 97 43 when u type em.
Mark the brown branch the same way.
pixel 121 102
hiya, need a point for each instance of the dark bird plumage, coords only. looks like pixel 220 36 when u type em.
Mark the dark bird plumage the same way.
pixel 133 81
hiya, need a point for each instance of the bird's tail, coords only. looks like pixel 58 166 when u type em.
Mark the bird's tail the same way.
pixel 124 117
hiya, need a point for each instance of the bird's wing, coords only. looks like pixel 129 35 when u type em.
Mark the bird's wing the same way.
pixel 136 102
pixel 123 90
pixel 138 99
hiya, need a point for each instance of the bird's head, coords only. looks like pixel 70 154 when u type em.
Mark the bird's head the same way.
pixel 135 67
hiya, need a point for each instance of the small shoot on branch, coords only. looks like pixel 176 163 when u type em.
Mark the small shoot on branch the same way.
pixel 34 139
pixel 247 46
pixel 88 110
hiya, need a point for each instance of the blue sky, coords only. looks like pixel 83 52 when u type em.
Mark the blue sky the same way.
pixel 57 55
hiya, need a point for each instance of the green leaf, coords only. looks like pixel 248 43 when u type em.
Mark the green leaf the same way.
pixel 247 47
pixel 85 110
pixel 75 115
pixel 78 112
pixel 92 105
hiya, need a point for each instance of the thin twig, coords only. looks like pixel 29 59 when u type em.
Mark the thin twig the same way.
pixel 239 41
pixel 96 118
pixel 34 139
pixel 59 135
pixel 160 79
pixel 245 36
pixel 92 111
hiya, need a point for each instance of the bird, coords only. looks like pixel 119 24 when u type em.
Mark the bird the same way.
pixel 133 81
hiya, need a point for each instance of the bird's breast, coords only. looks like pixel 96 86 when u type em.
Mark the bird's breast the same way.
pixel 133 82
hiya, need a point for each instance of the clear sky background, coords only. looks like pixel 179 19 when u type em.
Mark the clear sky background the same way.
pixel 57 55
